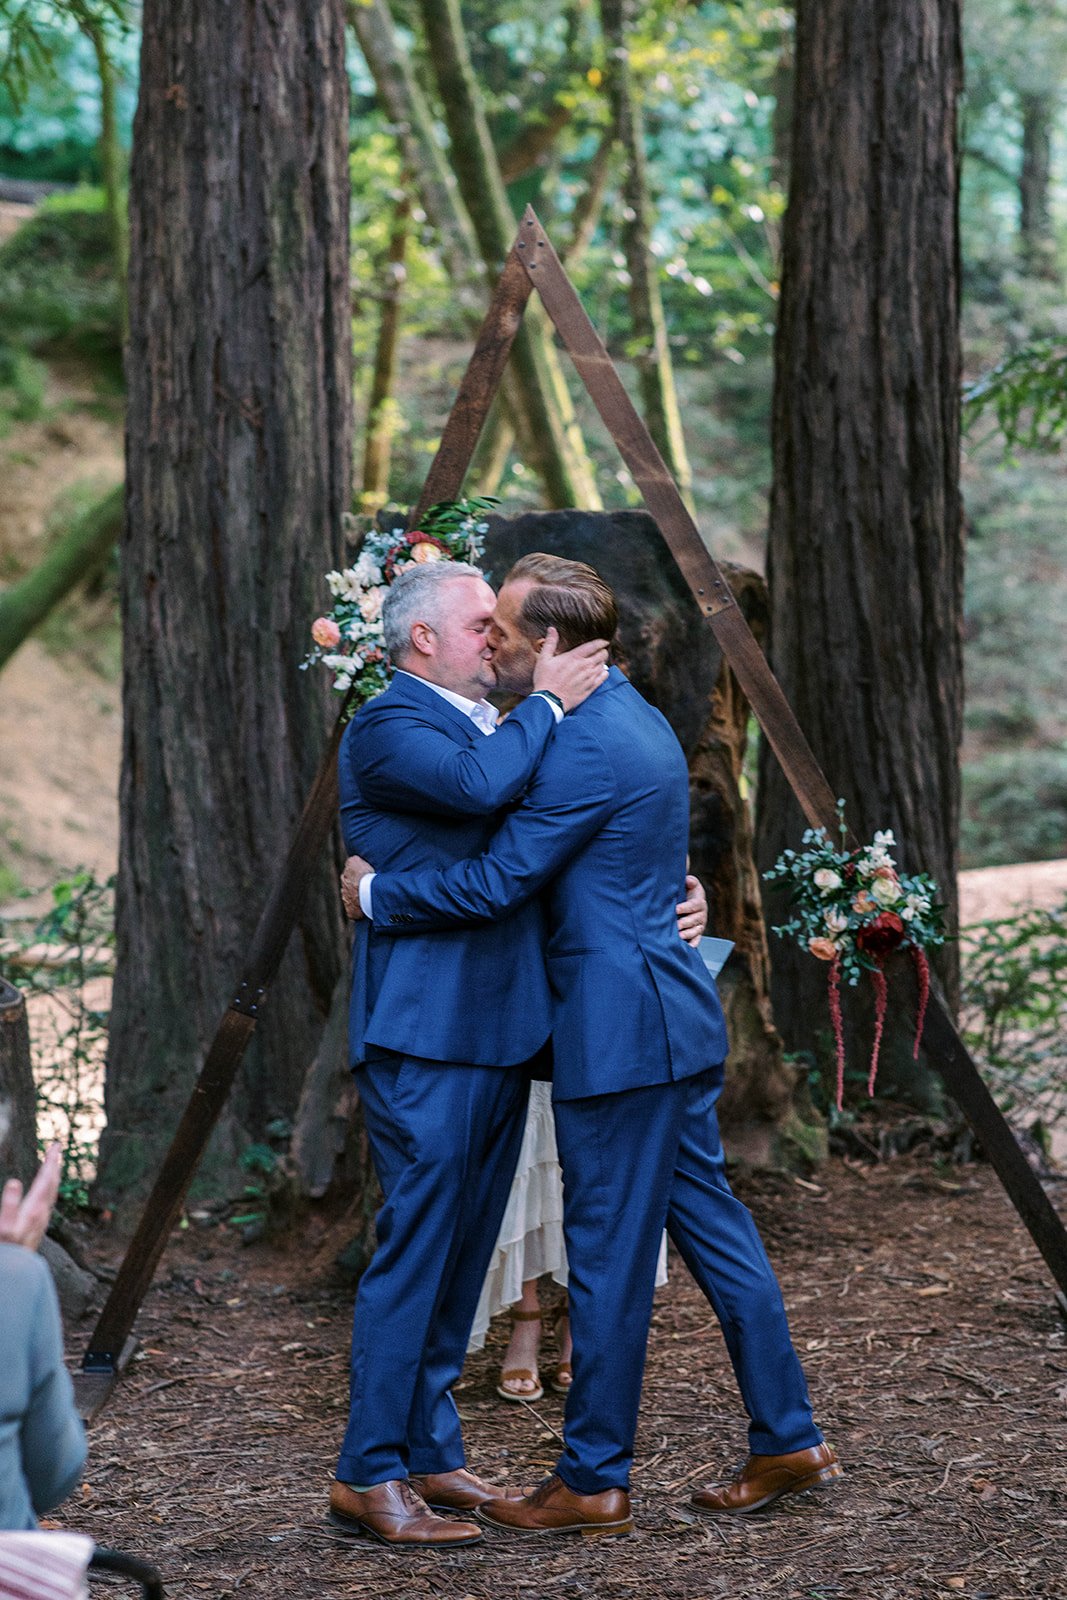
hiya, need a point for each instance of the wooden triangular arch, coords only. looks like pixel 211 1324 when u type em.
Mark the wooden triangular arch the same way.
pixel 531 264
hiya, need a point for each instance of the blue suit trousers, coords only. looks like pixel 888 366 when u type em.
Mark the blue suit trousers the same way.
pixel 633 1163
pixel 445 1140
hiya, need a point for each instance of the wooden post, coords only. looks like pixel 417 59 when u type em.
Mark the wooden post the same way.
pixel 17 1092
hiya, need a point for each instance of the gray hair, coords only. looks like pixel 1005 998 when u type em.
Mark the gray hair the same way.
pixel 417 595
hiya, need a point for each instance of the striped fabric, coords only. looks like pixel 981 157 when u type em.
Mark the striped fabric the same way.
pixel 44 1566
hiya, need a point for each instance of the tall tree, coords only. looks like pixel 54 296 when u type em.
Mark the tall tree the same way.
pixel 866 543
pixel 651 351
pixel 238 468
pixel 548 430
pixel 407 107
pixel 1036 237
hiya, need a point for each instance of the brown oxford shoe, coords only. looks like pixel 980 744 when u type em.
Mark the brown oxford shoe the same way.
pixel 458 1491
pixel 767 1478
pixel 396 1515
pixel 553 1508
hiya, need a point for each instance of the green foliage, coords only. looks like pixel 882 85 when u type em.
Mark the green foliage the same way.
pixel 1014 807
pixel 57 284
pixel 1026 393
pixel 61 954
pixel 34 33
pixel 1014 1009
pixel 1015 621
pixel 22 385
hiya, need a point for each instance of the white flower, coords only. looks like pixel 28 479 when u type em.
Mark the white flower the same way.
pixel 885 838
pixel 370 604
pixel 836 921
pixel 336 582
pixel 885 891
pixel 368 572
pixel 826 880
pixel 342 682
pixel 336 663
pixel 914 905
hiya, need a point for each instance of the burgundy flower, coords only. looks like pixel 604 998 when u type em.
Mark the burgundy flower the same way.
pixel 881 936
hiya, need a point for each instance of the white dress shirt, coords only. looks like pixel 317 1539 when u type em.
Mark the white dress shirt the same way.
pixel 485 718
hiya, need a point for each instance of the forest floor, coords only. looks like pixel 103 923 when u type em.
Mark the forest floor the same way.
pixel 935 1351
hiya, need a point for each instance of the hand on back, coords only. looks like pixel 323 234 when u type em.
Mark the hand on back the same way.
pixel 355 869
pixel 692 912
pixel 574 674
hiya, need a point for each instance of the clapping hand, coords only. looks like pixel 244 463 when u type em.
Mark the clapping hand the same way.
pixel 24 1217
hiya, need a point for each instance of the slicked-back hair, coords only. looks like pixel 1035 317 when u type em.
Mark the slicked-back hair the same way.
pixel 566 595
pixel 418 594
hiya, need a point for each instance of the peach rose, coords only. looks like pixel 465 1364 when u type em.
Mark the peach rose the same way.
pixel 825 949
pixel 424 551
pixel 325 633
pixel 863 903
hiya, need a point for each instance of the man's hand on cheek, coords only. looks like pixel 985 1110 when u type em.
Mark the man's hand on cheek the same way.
pixel 573 675
pixel 355 869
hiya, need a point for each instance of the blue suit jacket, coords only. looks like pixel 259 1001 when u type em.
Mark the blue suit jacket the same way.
pixel 422 787
pixel 605 825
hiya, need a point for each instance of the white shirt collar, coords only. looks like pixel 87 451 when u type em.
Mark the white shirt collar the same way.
pixel 481 712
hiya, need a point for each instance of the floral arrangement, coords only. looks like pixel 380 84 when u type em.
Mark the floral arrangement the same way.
pixel 853 909
pixel 348 639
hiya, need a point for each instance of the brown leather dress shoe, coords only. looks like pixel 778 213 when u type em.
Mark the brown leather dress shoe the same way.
pixel 458 1491
pixel 553 1508
pixel 767 1478
pixel 396 1515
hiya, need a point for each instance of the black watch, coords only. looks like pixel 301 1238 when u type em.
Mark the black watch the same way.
pixel 546 694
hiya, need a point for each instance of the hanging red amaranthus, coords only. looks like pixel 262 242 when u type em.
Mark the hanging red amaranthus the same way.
pixel 852 909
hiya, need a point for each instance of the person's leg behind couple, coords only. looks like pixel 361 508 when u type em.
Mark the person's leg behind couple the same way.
pixel 444 1139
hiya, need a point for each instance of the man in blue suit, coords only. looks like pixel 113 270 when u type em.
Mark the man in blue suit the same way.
pixel 442 1032
pixel 638 1045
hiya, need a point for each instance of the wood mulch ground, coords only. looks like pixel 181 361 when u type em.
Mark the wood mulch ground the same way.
pixel 936 1355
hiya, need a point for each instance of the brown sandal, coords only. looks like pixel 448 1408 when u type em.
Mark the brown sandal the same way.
pixel 521 1396
pixel 563 1375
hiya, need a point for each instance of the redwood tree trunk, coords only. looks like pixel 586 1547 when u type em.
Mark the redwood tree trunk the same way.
pixel 238 465
pixel 866 542
pixel 1035 176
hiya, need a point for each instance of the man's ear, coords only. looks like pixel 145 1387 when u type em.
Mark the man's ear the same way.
pixel 537 643
pixel 422 638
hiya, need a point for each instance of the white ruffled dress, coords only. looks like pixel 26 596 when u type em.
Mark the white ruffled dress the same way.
pixel 530 1243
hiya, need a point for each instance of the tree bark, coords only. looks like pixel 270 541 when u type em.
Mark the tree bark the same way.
pixel 1036 240
pixel 77 555
pixel 651 351
pixel 381 421
pixel 865 558
pixel 547 427
pixel 238 474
